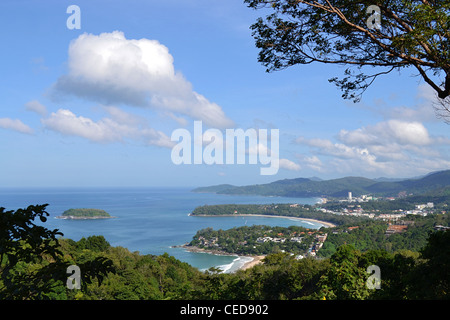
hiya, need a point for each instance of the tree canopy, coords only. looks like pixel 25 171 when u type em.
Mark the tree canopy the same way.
pixel 32 263
pixel 387 34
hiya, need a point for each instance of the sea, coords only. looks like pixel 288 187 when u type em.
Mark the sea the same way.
pixel 148 220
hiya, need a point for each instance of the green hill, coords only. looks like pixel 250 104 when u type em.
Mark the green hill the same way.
pixel 85 213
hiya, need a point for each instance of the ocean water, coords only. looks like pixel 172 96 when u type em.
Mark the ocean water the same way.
pixel 148 220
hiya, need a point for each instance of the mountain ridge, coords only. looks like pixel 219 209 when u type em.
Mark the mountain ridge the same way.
pixel 339 187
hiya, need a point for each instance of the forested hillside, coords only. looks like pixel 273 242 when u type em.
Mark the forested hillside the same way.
pixel 34 261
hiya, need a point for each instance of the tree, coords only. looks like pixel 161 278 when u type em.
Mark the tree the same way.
pixel 94 243
pixel 24 242
pixel 442 108
pixel 344 279
pixel 432 279
pixel 387 34
pixel 32 265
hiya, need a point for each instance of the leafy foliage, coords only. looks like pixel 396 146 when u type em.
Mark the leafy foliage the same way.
pixel 32 264
pixel 412 34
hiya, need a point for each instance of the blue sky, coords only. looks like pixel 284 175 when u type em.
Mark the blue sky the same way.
pixel 97 106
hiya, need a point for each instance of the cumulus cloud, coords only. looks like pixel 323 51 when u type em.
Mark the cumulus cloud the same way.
pixel 114 129
pixel 289 165
pixel 388 132
pixel 16 125
pixel 113 70
pixel 388 147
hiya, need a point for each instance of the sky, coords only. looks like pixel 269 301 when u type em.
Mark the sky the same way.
pixel 97 105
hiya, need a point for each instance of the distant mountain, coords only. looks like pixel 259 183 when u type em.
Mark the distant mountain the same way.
pixel 304 187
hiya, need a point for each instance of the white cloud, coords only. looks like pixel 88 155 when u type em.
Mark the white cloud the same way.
pixel 313 162
pixel 289 165
pixel 105 130
pixel 392 147
pixel 37 107
pixel 16 125
pixel 326 147
pixel 110 69
pixel 387 132
pixel 120 116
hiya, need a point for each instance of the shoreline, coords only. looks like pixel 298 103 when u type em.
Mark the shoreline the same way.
pixel 325 223
pixel 83 218
pixel 250 264
pixel 253 260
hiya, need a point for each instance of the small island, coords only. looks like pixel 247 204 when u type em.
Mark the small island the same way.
pixel 84 213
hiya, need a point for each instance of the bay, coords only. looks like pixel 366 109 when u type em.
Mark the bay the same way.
pixel 148 220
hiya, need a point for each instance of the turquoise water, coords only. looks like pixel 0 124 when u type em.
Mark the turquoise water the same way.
pixel 149 220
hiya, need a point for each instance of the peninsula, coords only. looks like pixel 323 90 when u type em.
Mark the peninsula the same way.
pixel 85 214
pixel 280 210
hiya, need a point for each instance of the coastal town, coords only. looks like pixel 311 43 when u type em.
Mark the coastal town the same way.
pixel 314 241
pixel 350 216
pixel 354 208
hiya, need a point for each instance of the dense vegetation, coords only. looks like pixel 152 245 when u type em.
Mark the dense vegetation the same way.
pixel 34 260
pixel 86 213
pixel 299 211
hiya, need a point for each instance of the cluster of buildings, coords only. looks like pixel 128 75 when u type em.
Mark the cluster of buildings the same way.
pixel 362 198
pixel 279 239
pixel 211 243
pixel 356 209
pixel 398 227
pixel 270 239
pixel 317 244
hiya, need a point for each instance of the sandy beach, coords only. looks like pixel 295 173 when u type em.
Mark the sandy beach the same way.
pixel 256 260
pixel 249 264
pixel 325 223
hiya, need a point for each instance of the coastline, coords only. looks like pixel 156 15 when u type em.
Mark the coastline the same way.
pixel 83 218
pixel 248 261
pixel 250 264
pixel 325 223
